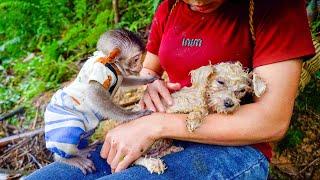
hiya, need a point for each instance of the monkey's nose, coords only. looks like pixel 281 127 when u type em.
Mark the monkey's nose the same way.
pixel 228 103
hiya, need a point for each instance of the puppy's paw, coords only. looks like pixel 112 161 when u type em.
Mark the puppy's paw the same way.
pixel 153 165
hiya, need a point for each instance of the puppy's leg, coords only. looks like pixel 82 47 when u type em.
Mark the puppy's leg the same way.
pixel 153 165
pixel 136 81
pixel 195 119
pixel 100 100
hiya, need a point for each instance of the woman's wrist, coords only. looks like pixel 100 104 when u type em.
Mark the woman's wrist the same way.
pixel 148 72
pixel 164 125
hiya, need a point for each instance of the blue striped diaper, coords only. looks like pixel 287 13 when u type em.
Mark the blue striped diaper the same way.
pixel 68 125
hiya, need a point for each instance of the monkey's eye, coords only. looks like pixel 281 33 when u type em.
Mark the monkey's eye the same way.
pixel 220 81
pixel 242 90
pixel 136 60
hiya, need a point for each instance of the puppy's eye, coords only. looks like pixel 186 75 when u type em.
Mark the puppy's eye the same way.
pixel 220 82
pixel 242 90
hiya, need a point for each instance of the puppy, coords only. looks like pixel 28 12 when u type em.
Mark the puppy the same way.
pixel 215 89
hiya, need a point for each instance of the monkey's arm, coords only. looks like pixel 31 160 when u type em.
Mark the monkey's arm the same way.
pixel 100 100
pixel 136 81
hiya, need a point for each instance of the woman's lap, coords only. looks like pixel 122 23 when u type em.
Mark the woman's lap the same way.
pixel 197 161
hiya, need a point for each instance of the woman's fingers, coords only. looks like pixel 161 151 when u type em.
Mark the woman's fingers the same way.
pixel 128 159
pixel 157 90
pixel 174 86
pixel 105 149
pixel 118 158
pixel 112 152
pixel 156 101
pixel 164 92
pixel 148 102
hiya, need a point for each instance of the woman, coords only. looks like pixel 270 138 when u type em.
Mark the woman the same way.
pixel 184 36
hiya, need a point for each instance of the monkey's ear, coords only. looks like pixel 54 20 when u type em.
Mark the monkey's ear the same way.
pixel 258 85
pixel 114 53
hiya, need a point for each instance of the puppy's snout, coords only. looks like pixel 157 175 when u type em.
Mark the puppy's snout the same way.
pixel 228 103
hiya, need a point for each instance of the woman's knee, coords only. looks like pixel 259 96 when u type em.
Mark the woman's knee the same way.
pixel 216 162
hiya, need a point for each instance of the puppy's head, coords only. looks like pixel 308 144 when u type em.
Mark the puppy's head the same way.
pixel 228 84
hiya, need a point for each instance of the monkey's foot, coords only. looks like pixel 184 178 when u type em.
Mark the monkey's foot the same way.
pixel 85 152
pixel 84 164
pixel 153 165
pixel 170 150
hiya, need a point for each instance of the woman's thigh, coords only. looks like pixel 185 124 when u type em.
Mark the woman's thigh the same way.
pixel 200 161
pixel 197 161
pixel 61 171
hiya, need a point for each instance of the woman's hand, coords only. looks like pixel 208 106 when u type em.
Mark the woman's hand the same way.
pixel 127 142
pixel 158 89
pixel 155 92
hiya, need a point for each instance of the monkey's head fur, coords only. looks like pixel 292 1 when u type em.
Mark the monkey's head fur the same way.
pixel 131 48
pixel 226 84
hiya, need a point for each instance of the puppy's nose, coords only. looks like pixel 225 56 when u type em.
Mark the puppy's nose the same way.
pixel 228 103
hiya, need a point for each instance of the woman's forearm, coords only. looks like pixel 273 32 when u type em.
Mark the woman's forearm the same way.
pixel 247 126
pixel 265 120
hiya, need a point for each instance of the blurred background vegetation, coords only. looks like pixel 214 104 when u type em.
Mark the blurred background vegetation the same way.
pixel 42 41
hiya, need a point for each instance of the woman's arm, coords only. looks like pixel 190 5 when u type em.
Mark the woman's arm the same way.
pixel 267 119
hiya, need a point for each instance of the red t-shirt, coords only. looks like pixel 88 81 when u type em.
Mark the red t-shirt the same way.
pixel 187 40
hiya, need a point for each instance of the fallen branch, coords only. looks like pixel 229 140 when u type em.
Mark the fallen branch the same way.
pixel 34 159
pixel 5 116
pixel 11 139
pixel 310 164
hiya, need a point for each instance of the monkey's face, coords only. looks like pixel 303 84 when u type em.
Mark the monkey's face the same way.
pixel 132 64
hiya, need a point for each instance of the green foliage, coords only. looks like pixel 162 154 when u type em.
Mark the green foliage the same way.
pixel 40 41
pixel 137 14
pixel 309 99
pixel 293 138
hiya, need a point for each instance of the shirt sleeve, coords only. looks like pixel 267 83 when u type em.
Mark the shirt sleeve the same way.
pixel 157 27
pixel 281 31
pixel 102 75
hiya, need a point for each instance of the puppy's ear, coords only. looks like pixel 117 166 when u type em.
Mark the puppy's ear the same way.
pixel 114 53
pixel 258 84
pixel 200 76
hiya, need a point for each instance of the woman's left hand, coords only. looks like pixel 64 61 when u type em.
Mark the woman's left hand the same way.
pixel 127 142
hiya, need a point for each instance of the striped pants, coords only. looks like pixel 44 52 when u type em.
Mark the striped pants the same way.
pixel 68 124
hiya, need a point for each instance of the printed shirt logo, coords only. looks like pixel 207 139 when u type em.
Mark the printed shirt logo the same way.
pixel 190 42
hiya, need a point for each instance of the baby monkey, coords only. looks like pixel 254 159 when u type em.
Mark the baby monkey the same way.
pixel 75 111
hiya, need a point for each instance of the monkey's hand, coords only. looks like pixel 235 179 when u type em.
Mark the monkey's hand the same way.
pixel 81 160
pixel 136 81
pixel 99 99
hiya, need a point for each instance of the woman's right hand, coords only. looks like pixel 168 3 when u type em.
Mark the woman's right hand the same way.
pixel 156 91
